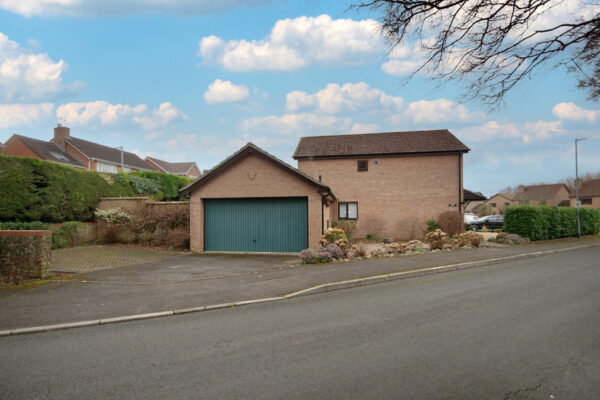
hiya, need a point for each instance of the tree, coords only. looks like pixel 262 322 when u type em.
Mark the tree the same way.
pixel 491 45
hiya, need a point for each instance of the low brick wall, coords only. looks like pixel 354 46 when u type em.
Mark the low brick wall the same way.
pixel 86 232
pixel 108 203
pixel 25 254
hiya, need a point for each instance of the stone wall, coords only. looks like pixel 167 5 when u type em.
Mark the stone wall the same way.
pixel 25 255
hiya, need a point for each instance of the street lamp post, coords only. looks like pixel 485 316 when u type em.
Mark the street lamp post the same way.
pixel 577 204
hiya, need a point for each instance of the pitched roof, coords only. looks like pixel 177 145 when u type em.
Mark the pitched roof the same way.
pixel 104 153
pixel 251 148
pixel 589 188
pixel 172 168
pixel 390 143
pixel 473 196
pixel 539 192
pixel 508 196
pixel 49 151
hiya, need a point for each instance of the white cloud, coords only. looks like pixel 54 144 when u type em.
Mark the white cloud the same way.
pixel 30 76
pixel 570 111
pixel 103 113
pixel 166 114
pixel 349 97
pixel 88 8
pixel 295 43
pixel 527 132
pixel 303 123
pixel 220 92
pixel 21 115
pixel 435 111
pixel 364 128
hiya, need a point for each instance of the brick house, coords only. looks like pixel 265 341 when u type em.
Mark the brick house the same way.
pixel 543 195
pixel 188 169
pixel 24 146
pixel 95 156
pixel 387 183
pixel 589 194
pixel 500 201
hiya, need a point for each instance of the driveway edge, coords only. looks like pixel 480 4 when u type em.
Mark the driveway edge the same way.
pixel 322 288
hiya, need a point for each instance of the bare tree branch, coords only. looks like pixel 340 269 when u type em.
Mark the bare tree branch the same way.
pixel 491 45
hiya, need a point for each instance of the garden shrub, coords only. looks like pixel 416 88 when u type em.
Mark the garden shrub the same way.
pixel 349 227
pixel 451 222
pixel 436 239
pixel 66 236
pixel 336 236
pixel 143 185
pixel 544 223
pixel 432 225
pixel 335 251
pixel 308 256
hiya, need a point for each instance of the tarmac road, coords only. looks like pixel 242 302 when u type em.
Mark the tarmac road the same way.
pixel 519 330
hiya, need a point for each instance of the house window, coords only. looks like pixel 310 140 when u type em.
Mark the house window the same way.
pixel 363 165
pixel 493 204
pixel 104 167
pixel 587 200
pixel 348 210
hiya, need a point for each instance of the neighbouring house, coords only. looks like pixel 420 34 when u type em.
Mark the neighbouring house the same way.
pixel 254 202
pixel 542 195
pixel 499 202
pixel 388 184
pixel 589 194
pixel 24 146
pixel 98 157
pixel 472 199
pixel 189 169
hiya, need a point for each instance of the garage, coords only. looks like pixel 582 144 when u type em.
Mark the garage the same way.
pixel 276 224
pixel 252 202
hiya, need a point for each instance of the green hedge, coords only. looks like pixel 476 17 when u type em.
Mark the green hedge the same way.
pixel 543 223
pixel 24 226
pixel 36 190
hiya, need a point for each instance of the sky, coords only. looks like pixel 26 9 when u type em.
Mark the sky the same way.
pixel 195 80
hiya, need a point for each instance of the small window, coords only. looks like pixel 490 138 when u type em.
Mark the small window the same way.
pixel 348 210
pixel 587 200
pixel 363 165
pixel 493 204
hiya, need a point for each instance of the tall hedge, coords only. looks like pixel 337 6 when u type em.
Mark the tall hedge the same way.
pixel 543 223
pixel 36 190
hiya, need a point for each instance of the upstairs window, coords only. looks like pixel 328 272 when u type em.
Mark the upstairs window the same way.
pixel 362 165
pixel 348 210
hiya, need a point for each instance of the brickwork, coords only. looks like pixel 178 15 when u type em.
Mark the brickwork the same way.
pixel 15 147
pixel 254 176
pixel 396 195
pixel 25 254
pixel 83 159
pixel 595 202
pixel 86 231
pixel 109 203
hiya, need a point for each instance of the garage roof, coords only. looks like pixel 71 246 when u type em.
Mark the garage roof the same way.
pixel 251 148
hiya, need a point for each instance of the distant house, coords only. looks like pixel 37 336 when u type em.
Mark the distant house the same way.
pixel 542 195
pixel 472 199
pixel 24 146
pixel 97 157
pixel 589 194
pixel 500 201
pixel 189 169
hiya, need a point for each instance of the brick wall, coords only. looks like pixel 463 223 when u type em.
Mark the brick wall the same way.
pixel 108 203
pixel 15 147
pixel 268 180
pixel 25 254
pixel 395 196
pixel 86 231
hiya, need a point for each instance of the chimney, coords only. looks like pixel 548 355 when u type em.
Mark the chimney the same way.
pixel 60 133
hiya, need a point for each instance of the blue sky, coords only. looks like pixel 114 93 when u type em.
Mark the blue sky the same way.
pixel 195 80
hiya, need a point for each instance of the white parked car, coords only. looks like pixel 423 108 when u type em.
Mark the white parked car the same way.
pixel 469 217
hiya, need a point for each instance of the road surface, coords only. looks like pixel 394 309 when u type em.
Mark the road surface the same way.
pixel 520 330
